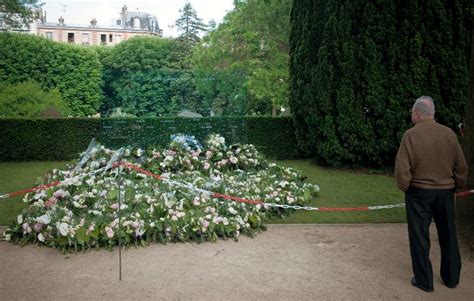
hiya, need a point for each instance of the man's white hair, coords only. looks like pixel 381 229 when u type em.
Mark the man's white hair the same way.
pixel 424 105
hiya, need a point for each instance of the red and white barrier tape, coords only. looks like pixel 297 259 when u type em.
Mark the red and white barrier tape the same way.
pixel 223 196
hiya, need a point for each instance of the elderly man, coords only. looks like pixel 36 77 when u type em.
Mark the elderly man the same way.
pixel 429 167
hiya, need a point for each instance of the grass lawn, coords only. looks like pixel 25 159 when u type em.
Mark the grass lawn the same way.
pixel 17 176
pixel 338 189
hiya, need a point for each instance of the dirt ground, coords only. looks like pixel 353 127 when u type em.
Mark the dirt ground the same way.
pixel 287 262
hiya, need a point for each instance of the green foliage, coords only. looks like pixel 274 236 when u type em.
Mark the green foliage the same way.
pixel 74 70
pixel 28 99
pixel 18 14
pixel 250 45
pixel 357 66
pixel 145 76
pixel 62 139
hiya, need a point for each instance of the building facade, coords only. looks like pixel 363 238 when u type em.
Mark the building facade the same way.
pixel 128 25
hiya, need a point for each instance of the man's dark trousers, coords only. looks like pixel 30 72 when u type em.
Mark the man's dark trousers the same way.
pixel 422 205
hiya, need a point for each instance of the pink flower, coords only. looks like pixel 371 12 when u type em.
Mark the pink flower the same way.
pixel 50 202
pixel 38 227
pixel 90 229
pixel 205 224
pixel 206 166
pixel 114 206
pixel 59 194
pixel 135 225
pixel 109 231
pixel 208 154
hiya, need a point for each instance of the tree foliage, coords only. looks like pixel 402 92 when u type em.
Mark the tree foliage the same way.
pixel 28 99
pixel 250 45
pixel 18 14
pixel 357 66
pixel 189 25
pixel 74 70
pixel 144 77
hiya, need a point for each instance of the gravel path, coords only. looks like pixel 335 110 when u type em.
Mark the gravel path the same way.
pixel 287 262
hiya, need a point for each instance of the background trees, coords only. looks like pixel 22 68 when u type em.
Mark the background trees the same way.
pixel 18 14
pixel 138 76
pixel 356 68
pixel 249 51
pixel 75 71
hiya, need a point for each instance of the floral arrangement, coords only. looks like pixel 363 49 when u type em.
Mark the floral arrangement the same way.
pixel 83 211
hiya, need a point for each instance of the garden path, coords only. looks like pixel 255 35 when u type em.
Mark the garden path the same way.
pixel 287 262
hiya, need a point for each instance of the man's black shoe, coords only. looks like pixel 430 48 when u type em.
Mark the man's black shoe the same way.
pixel 450 286
pixel 426 289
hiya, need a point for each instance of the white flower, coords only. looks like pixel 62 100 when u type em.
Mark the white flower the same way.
pixel 44 219
pixel 206 166
pixel 63 229
pixel 139 152
pixel 41 237
pixel 174 218
pixel 19 219
pixel 233 159
pixel 232 211
pixel 283 183
pixel 94 165
pixel 225 221
pixel 40 195
pixel 8 237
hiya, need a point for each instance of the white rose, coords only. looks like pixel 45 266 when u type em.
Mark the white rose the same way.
pixel 63 229
pixel 19 219
pixel 41 237
pixel 44 219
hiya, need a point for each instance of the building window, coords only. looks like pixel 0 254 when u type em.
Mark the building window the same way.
pixel 70 37
pixel 119 22
pixel 49 35
pixel 85 39
pixel 118 38
pixel 110 38
pixel 103 39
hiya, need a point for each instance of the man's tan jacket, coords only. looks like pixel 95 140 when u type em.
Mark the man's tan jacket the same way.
pixel 430 157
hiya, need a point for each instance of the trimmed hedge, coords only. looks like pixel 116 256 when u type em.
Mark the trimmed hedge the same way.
pixel 23 139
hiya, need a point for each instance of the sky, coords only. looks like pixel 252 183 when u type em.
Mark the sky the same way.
pixel 167 11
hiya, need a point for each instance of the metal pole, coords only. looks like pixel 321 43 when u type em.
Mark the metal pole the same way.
pixel 119 197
